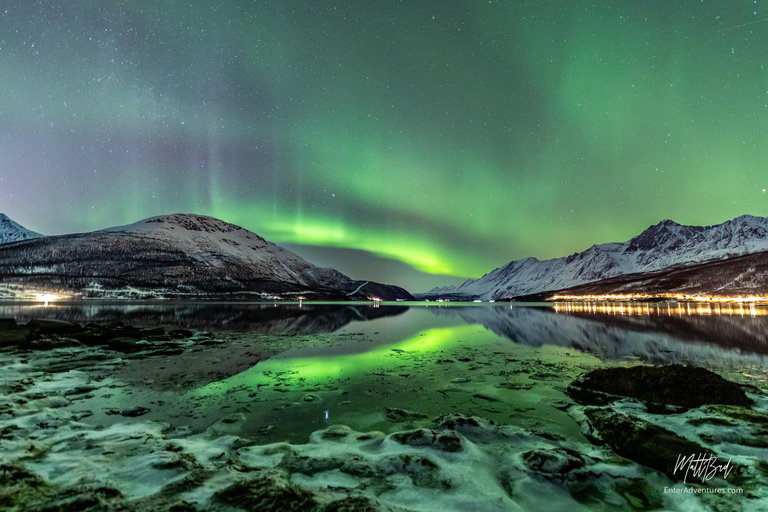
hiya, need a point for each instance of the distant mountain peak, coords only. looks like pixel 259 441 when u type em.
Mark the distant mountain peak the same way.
pixel 11 231
pixel 185 221
pixel 179 255
pixel 662 245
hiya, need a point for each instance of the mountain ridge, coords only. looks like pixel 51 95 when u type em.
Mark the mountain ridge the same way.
pixel 177 255
pixel 664 245
pixel 11 231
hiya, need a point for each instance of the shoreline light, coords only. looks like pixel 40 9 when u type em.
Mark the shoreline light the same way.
pixel 618 297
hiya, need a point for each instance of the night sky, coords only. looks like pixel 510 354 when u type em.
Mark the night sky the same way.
pixel 446 137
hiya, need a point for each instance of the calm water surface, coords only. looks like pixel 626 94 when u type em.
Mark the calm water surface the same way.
pixel 285 371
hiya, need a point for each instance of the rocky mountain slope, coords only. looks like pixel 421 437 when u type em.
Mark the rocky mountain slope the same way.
pixel 663 246
pixel 172 256
pixel 740 275
pixel 10 231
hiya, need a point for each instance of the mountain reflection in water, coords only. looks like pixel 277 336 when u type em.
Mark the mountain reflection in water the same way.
pixel 657 332
pixel 260 318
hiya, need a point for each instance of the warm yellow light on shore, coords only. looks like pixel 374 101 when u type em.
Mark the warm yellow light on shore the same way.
pixel 46 297
pixel 641 297
pixel 610 306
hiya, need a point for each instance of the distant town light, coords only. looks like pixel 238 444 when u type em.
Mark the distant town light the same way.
pixel 46 297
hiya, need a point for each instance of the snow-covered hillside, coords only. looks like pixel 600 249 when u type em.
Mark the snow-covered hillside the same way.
pixel 10 231
pixel 172 255
pixel 661 246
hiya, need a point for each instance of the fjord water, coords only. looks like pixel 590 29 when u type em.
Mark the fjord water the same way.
pixel 420 406
pixel 286 370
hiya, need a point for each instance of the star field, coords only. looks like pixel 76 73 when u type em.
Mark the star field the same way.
pixel 448 137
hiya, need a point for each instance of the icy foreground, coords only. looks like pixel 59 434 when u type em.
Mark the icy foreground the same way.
pixel 61 444
pixel 454 463
pixel 667 244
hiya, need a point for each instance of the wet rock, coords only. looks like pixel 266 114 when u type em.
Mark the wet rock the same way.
pixel 460 380
pixel 641 441
pixel 11 333
pixel 661 387
pixel 159 337
pixel 41 326
pixel 356 504
pixel 128 345
pixel 446 441
pixel 134 412
pixel 552 462
pixel 311 398
pixel 399 415
pixel 514 386
pixel 91 338
pixel 80 390
pixel 180 333
pixel 485 397
pixel 268 492
pixel 127 331
pixel 336 432
pixel 50 342
pixel 211 342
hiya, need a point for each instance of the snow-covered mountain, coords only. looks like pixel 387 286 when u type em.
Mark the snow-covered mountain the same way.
pixel 667 244
pixel 10 231
pixel 176 255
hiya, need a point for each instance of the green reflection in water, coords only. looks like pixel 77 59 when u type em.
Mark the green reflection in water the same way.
pixel 305 371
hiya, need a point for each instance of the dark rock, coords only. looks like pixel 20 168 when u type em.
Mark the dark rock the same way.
pixel 355 504
pixel 158 337
pixel 485 397
pixel 398 415
pixel 12 333
pixel 336 432
pixel 180 333
pixel 128 345
pixel 42 326
pixel 552 462
pixel 50 342
pixel 91 338
pixel 268 493
pixel 658 386
pixel 447 440
pixel 136 411
pixel 211 342
pixel 642 442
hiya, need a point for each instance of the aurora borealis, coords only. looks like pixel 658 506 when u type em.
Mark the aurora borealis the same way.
pixel 451 137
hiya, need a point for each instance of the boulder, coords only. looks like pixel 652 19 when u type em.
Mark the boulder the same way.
pixel 640 441
pixel 662 388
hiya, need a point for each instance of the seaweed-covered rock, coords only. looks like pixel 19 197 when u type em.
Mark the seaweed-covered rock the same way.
pixel 660 387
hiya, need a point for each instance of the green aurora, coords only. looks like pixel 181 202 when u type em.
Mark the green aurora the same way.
pixel 449 136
